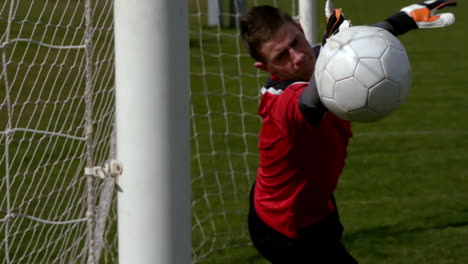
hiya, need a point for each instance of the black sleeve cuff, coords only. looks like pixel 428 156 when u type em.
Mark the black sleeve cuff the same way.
pixel 310 105
pixel 401 23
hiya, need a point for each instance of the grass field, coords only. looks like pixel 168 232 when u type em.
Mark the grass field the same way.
pixel 402 196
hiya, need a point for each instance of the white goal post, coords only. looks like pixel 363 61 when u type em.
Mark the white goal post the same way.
pixel 153 135
pixel 308 19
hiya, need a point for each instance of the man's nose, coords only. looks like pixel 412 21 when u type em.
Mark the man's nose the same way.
pixel 296 56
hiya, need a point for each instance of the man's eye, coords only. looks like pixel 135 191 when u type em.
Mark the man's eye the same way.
pixel 294 43
pixel 281 56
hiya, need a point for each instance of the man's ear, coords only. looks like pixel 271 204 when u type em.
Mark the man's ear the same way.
pixel 260 65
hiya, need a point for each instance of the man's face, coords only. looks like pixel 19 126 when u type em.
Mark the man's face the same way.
pixel 288 55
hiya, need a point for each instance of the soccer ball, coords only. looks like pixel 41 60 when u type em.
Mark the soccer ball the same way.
pixel 363 74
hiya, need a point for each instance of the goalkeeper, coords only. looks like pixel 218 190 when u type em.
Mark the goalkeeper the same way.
pixel 293 217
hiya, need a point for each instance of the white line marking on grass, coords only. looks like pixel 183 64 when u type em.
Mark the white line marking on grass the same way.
pixel 405 199
pixel 410 133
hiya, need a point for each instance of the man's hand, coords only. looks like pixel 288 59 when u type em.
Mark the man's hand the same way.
pixel 424 14
pixel 335 21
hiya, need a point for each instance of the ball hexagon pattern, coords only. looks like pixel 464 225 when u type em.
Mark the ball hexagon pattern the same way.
pixel 363 74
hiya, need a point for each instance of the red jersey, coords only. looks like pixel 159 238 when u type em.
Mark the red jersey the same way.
pixel 299 164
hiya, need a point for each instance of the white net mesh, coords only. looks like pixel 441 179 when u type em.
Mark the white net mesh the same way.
pixel 56 114
pixel 225 94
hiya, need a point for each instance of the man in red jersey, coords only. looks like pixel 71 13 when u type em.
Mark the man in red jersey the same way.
pixel 303 147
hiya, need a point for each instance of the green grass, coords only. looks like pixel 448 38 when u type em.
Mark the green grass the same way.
pixel 402 196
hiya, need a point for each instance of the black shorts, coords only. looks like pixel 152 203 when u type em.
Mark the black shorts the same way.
pixel 319 243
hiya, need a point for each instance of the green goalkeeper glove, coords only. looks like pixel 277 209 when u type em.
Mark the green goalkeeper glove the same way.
pixel 335 21
pixel 424 14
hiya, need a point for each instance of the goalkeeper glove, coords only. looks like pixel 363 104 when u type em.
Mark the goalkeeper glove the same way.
pixel 424 14
pixel 335 21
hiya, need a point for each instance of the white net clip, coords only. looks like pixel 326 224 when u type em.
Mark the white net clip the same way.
pixel 116 168
pixel 111 168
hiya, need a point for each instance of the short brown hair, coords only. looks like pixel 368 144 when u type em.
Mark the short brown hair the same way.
pixel 259 24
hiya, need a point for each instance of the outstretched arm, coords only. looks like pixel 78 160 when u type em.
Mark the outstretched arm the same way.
pixel 419 16
pixel 310 105
pixel 415 16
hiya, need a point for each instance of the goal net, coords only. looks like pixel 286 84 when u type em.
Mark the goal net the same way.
pixel 225 124
pixel 56 125
pixel 57 195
